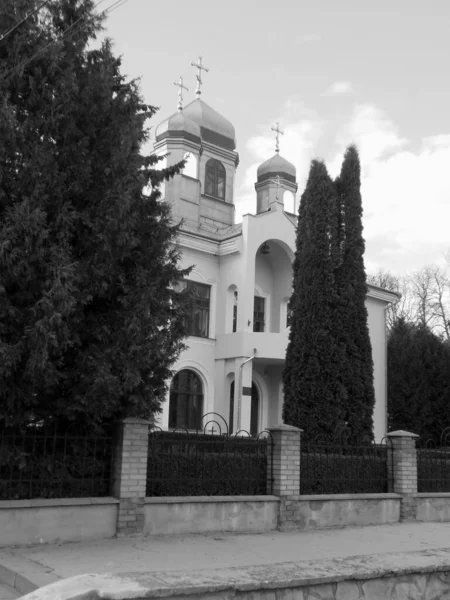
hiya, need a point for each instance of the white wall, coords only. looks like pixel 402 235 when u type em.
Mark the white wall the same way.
pixel 377 332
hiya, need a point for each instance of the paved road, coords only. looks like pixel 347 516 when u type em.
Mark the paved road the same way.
pixel 195 552
pixel 8 593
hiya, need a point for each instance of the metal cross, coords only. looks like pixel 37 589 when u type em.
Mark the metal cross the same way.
pixel 277 136
pixel 181 87
pixel 277 180
pixel 200 68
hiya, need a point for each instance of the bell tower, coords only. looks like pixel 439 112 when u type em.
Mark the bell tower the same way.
pixel 204 192
pixel 276 183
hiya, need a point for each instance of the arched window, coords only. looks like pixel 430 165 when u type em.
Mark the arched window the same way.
pixel 289 202
pixel 215 179
pixel 186 400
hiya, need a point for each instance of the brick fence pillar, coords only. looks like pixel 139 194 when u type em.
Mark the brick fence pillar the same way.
pixel 129 479
pixel 403 471
pixel 286 470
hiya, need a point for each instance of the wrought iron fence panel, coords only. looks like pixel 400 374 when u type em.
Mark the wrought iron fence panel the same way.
pixel 342 467
pixel 47 462
pixel 209 462
pixel 433 464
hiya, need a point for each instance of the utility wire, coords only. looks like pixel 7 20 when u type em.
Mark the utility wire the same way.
pixel 14 27
pixel 67 33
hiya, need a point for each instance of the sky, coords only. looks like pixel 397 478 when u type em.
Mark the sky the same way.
pixel 332 73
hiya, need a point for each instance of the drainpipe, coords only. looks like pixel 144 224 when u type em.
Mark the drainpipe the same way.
pixel 240 390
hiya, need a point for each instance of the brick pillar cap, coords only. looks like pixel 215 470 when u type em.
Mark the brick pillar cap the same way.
pixel 401 434
pixel 136 421
pixel 286 428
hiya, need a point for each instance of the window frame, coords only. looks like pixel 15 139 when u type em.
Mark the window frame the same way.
pixel 215 177
pixel 257 319
pixel 196 303
pixel 192 415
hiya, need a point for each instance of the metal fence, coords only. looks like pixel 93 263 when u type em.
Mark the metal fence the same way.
pixel 433 464
pixel 339 466
pixel 208 462
pixel 47 462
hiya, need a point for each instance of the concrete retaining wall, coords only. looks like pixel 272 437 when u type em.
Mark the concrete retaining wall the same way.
pixel 340 510
pixel 37 521
pixel 433 507
pixel 200 514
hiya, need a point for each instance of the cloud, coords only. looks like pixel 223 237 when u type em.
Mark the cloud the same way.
pixel 308 38
pixel 302 130
pixel 405 190
pixel 339 88
pixel 405 185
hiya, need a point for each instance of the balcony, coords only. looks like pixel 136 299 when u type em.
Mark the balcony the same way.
pixel 268 345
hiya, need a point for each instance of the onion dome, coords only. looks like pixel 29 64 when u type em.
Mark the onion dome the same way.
pixel 179 125
pixel 214 128
pixel 276 166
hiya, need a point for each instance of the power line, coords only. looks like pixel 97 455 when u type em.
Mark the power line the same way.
pixel 14 27
pixel 67 33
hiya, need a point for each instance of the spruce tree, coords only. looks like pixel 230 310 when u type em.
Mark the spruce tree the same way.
pixel 89 326
pixel 418 380
pixel 312 388
pixel 350 315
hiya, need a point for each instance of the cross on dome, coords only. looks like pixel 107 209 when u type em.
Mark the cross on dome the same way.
pixel 277 181
pixel 181 87
pixel 277 136
pixel 198 75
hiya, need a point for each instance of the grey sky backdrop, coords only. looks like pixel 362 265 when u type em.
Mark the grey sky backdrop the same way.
pixel 332 73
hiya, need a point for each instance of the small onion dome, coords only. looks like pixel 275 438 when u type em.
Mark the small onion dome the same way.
pixel 178 125
pixel 277 165
pixel 214 128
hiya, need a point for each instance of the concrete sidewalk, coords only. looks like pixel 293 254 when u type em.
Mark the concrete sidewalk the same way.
pixel 44 564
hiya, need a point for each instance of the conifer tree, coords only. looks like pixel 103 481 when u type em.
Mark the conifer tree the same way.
pixel 312 388
pixel 350 315
pixel 418 380
pixel 89 326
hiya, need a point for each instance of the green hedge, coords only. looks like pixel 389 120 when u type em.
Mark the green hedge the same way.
pixel 54 467
pixel 433 471
pixel 205 466
pixel 337 473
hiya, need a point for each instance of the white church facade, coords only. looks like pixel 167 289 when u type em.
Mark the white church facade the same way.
pixel 240 282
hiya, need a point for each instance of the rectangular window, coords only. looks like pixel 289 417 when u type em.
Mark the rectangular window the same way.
pixel 234 318
pixel 197 319
pixel 258 314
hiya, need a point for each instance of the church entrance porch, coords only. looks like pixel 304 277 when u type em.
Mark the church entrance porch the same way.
pixel 254 410
pixel 259 403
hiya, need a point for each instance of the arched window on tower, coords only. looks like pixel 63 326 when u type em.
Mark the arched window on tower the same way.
pixel 289 202
pixel 215 179
pixel 190 168
pixel 186 400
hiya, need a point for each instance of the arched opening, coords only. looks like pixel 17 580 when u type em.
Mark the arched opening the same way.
pixel 254 410
pixel 215 178
pixel 273 277
pixel 289 202
pixel 190 168
pixel 186 400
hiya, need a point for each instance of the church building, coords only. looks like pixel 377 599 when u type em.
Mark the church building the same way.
pixel 241 279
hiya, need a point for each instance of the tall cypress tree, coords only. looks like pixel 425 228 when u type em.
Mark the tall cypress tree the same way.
pixel 312 388
pixel 350 316
pixel 89 324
